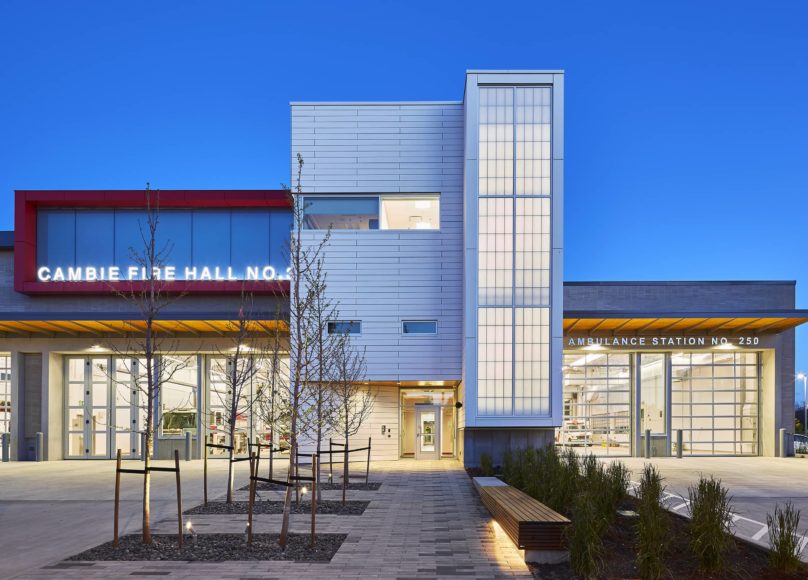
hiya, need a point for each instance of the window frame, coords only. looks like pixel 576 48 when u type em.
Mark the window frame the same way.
pixel 418 334
pixel 380 197
pixel 330 322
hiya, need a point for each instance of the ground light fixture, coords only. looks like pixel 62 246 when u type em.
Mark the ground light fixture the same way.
pixel 190 532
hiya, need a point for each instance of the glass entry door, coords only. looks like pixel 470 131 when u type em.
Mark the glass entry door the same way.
pixel 101 408
pixel 427 426
pixel 88 408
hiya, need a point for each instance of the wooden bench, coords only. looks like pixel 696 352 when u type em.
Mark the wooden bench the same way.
pixel 530 524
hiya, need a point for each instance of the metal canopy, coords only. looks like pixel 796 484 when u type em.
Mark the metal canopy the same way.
pixel 768 322
pixel 97 327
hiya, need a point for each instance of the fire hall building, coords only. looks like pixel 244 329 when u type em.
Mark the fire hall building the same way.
pixel 445 257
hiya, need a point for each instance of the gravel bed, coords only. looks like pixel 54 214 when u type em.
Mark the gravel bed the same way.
pixel 330 507
pixel 217 548
pixel 325 486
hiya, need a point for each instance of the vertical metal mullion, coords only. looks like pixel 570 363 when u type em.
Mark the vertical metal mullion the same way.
pixel 201 374
pixel 513 252
pixel 88 404
pixel 636 360
pixel 758 370
pixel 112 409
pixel 134 415
pixel 668 392
pixel 551 272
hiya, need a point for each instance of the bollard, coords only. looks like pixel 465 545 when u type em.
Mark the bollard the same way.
pixel 39 449
pixel 648 444
pixel 782 442
pixel 6 447
pixel 679 439
pixel 187 446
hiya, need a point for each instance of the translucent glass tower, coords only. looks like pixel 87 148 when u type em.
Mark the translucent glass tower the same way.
pixel 513 198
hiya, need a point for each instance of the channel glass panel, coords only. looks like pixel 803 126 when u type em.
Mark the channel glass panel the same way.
pixel 514 251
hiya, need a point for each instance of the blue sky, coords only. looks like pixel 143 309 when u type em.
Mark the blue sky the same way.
pixel 686 126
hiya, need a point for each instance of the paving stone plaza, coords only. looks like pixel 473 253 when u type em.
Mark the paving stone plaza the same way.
pixel 425 521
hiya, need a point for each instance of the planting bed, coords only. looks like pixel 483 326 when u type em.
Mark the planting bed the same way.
pixel 746 561
pixel 217 547
pixel 324 486
pixel 330 507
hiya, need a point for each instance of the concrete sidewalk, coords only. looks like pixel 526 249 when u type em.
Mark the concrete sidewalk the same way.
pixel 756 485
pixel 54 509
pixel 425 521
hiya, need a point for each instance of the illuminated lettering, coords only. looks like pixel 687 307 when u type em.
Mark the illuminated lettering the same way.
pixel 96 273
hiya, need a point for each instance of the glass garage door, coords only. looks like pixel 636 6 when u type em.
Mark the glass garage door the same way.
pixel 597 403
pixel 714 400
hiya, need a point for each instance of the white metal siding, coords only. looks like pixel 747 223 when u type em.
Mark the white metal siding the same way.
pixel 384 277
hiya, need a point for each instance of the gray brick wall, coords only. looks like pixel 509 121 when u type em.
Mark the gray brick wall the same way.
pixel 679 296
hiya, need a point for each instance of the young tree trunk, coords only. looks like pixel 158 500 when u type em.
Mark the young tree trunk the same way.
pixel 232 427
pixel 271 448
pixel 287 500
pixel 230 464
pixel 150 396
pixel 345 473
pixel 316 471
pixel 147 538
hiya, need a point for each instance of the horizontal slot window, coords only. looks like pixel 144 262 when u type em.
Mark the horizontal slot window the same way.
pixel 345 327
pixel 410 213
pixel 419 327
pixel 386 212
pixel 341 213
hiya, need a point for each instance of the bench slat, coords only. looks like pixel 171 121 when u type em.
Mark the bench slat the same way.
pixel 529 523
pixel 522 505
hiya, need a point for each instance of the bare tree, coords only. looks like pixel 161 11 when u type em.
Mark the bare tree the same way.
pixel 303 255
pixel 238 366
pixel 145 343
pixel 272 392
pixel 323 412
pixel 354 401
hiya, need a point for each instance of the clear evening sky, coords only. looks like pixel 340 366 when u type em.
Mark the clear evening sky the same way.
pixel 686 122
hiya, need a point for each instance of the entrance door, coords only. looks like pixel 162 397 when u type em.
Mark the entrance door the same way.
pixel 427 432
pixel 102 411
pixel 88 408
